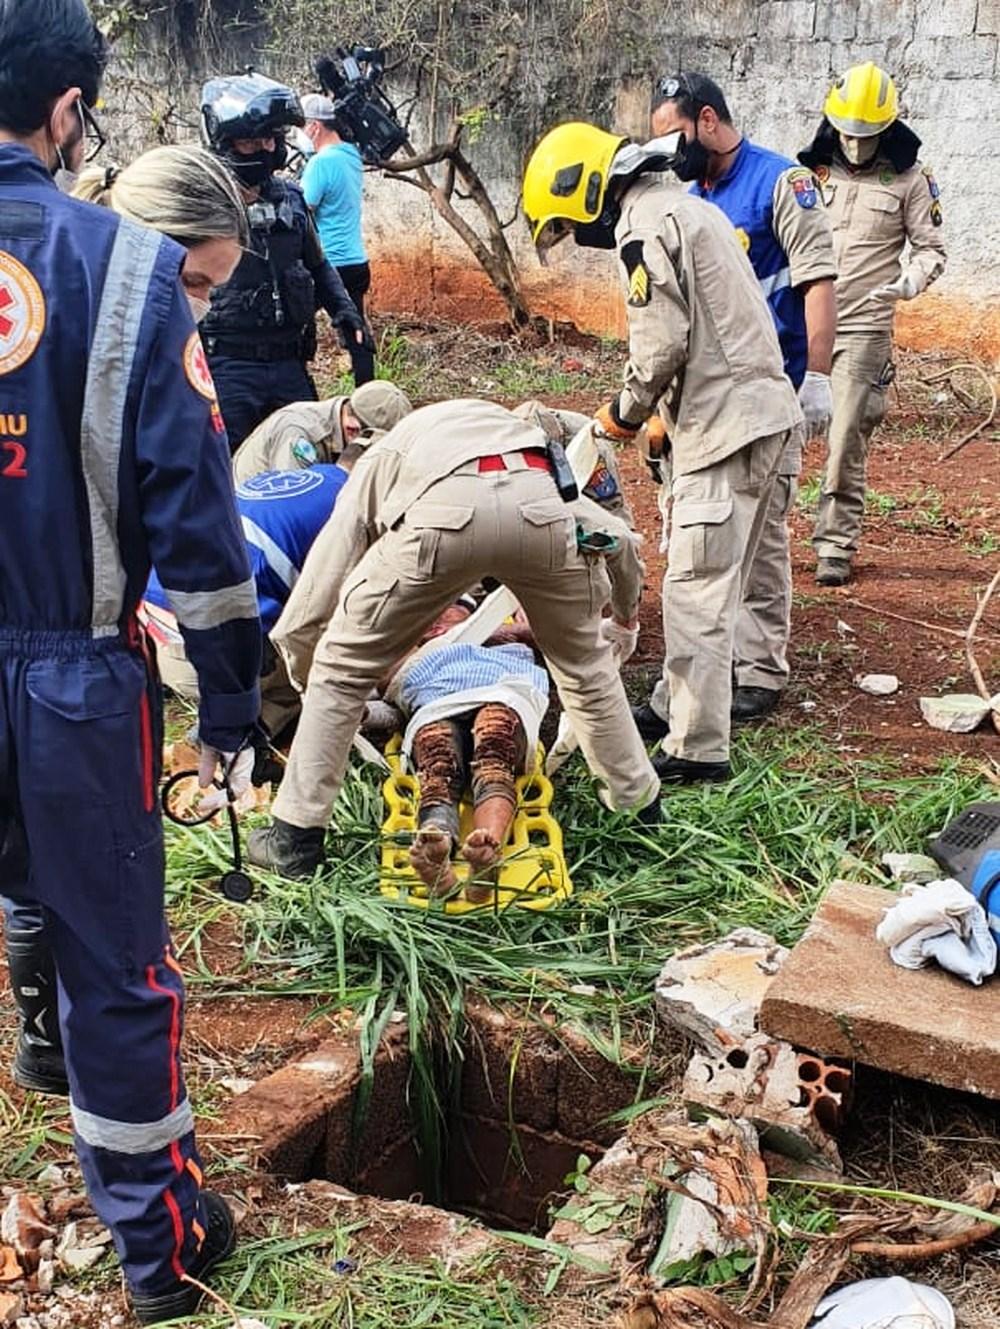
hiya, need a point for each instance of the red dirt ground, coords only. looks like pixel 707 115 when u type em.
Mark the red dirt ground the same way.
pixel 931 544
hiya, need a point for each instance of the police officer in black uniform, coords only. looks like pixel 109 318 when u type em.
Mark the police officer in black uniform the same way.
pixel 261 330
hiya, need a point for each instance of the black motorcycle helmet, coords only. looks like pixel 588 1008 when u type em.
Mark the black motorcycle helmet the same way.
pixel 248 106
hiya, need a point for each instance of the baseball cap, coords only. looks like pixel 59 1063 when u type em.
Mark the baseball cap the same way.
pixel 379 405
pixel 317 107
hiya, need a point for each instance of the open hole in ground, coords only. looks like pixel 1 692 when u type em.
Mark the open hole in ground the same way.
pixel 515 1105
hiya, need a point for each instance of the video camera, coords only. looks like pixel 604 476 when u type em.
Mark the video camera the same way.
pixel 352 78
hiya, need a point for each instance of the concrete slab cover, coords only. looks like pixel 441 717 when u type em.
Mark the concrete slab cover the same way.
pixel 713 992
pixel 839 994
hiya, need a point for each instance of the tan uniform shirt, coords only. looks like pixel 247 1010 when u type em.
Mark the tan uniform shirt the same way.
pixel 875 212
pixel 805 234
pixel 272 445
pixel 397 470
pixel 701 336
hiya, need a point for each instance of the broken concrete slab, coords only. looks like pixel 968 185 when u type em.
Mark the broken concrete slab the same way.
pixel 713 993
pixel 957 713
pixel 796 1101
pixel 722 1192
pixel 840 995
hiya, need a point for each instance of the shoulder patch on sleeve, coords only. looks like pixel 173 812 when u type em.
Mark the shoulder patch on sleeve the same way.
pixel 637 272
pixel 198 374
pixel 804 187
pixel 933 188
pixel 196 368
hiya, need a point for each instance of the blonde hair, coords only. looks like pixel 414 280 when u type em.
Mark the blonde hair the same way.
pixel 183 192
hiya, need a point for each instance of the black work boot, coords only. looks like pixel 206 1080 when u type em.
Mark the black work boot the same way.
pixel 753 704
pixel 833 571
pixel 652 814
pixel 294 851
pixel 183 1298
pixel 679 770
pixel 651 726
pixel 38 1061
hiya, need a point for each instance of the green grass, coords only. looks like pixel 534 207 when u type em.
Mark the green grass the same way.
pixel 394 361
pixel 881 505
pixel 295 1281
pixel 809 492
pixel 758 851
pixel 983 545
pixel 926 510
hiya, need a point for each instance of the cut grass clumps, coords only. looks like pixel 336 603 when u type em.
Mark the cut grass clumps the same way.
pixel 758 851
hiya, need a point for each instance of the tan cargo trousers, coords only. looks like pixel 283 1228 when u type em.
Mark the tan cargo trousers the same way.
pixel 718 514
pixel 764 626
pixel 510 525
pixel 857 379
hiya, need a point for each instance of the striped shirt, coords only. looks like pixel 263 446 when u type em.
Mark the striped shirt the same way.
pixel 436 675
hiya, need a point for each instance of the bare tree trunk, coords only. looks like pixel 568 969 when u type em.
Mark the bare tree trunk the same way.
pixel 492 253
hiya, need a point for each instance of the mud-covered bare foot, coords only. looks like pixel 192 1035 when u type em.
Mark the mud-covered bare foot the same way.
pixel 482 853
pixel 430 858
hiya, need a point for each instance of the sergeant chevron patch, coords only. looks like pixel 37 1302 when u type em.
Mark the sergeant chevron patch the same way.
pixel 638 274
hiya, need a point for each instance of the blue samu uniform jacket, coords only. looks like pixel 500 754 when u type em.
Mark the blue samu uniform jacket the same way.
pixel 113 454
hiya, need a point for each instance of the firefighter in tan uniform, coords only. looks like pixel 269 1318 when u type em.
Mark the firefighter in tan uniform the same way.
pixel 456 492
pixel 307 432
pixel 776 208
pixel 886 215
pixel 703 350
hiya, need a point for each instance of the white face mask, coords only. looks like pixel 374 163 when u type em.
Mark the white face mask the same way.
pixel 858 151
pixel 199 308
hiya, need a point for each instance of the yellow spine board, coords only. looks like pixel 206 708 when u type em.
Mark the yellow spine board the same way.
pixel 533 873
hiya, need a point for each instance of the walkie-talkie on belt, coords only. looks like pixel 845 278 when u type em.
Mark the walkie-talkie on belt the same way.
pixel 562 471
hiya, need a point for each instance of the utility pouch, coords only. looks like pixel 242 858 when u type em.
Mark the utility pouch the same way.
pixel 298 295
pixel 596 542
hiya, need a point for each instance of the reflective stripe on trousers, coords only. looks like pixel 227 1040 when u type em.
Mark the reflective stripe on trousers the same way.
pixel 80 843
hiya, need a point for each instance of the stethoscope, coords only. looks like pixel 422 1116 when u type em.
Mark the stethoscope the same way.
pixel 235 885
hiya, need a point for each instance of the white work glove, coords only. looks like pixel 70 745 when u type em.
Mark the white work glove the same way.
pixel 621 639
pixel 816 400
pixel 907 286
pixel 239 767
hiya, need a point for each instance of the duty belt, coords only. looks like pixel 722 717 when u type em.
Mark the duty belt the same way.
pixel 259 350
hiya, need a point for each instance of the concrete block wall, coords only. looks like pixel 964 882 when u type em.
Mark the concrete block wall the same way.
pixel 775 59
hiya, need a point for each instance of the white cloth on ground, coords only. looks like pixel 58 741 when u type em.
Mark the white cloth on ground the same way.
pixel 940 921
pixel 885 1303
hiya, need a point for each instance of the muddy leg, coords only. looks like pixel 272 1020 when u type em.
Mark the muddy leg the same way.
pixel 499 749
pixel 437 758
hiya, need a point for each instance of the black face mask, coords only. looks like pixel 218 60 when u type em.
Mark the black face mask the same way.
pixel 598 234
pixel 254 171
pixel 692 161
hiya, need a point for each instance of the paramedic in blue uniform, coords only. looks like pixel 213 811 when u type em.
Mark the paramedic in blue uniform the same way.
pixel 281 513
pixel 112 436
pixel 778 213
pixel 260 333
